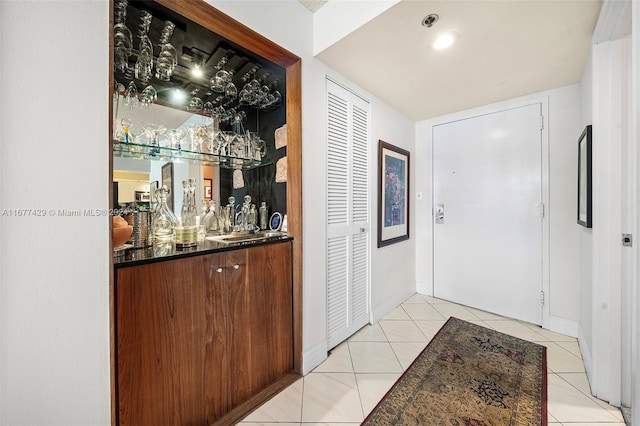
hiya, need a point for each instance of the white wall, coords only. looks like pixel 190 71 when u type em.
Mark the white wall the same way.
pixel 393 266
pixel 337 19
pixel 54 295
pixel 563 123
pixel 586 234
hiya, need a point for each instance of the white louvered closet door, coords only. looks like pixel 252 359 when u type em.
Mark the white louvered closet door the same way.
pixel 347 213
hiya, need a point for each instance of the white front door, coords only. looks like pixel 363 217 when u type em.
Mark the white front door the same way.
pixel 487 198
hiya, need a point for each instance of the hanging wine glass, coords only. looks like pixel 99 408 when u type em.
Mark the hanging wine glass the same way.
pixel 131 96
pixel 277 99
pixel 230 90
pixel 168 56
pixel 149 95
pixel 207 108
pixel 120 11
pixel 218 82
pixel 195 104
pixel 244 97
pixel 166 63
pixel 122 38
pixel 144 62
pixel 167 32
pixel 122 46
pixel 145 23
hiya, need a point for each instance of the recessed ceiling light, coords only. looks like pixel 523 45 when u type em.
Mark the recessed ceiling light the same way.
pixel 179 95
pixel 444 40
pixel 196 71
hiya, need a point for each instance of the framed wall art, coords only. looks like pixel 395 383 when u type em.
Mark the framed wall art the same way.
pixel 393 194
pixel 584 178
pixel 208 183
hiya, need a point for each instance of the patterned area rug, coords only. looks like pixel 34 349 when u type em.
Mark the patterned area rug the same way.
pixel 469 375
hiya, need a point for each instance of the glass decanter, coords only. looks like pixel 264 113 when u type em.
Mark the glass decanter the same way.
pixel 212 220
pixel 252 220
pixel 230 215
pixel 246 208
pixel 187 233
pixel 264 215
pixel 164 221
pixel 188 213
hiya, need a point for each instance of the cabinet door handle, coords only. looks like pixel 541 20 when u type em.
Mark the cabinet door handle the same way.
pixel 218 270
pixel 236 266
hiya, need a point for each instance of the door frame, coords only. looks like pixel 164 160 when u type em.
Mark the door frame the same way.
pixel 635 134
pixel 543 101
pixel 605 372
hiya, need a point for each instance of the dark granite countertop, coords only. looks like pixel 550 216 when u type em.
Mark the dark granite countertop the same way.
pixel 158 252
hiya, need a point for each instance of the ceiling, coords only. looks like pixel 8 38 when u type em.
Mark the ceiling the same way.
pixel 505 49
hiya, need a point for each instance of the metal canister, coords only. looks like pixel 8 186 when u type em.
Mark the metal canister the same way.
pixel 140 220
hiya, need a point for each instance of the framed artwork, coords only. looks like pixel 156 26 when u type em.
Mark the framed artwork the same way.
pixel 207 188
pixel 167 180
pixel 393 194
pixel 584 178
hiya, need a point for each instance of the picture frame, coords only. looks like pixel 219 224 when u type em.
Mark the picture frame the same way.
pixel 393 194
pixel 208 184
pixel 167 180
pixel 585 177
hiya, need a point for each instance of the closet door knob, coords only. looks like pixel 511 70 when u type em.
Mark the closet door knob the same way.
pixel 218 270
pixel 236 266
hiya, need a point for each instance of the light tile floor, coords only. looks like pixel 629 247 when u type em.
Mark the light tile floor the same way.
pixel 357 374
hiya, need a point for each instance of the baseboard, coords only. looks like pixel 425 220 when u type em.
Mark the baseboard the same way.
pixel 314 356
pixel 563 326
pixel 586 352
pixel 390 304
pixel 424 288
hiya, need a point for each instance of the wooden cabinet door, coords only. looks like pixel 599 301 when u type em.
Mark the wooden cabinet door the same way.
pixel 170 327
pixel 272 313
pixel 260 322
pixel 238 330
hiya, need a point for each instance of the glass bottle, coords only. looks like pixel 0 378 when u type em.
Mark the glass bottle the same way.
pixel 212 220
pixel 187 233
pixel 164 221
pixel 188 214
pixel 251 222
pixel 264 216
pixel 205 213
pixel 246 207
pixel 230 215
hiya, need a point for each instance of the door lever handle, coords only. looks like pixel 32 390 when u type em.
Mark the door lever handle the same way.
pixel 439 214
